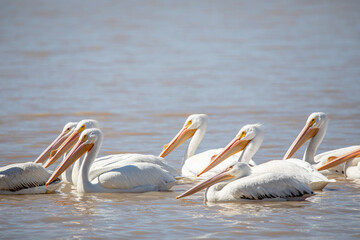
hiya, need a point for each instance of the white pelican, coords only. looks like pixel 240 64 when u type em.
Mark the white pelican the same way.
pixel 352 164
pixel 70 175
pixel 249 140
pixel 26 178
pixel 315 129
pixel 103 163
pixel 240 182
pixel 29 177
pixel 127 176
pixel 195 127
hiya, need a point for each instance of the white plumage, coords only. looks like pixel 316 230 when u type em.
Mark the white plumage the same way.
pixel 109 162
pixel 26 178
pixel 195 128
pixel 251 136
pixel 307 174
pixel 352 169
pixel 315 130
pixel 123 173
pixel 73 131
pixel 267 186
pixel 30 178
pixel 240 182
pixel 136 177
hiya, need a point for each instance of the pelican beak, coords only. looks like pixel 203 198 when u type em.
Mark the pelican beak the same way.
pixel 340 160
pixel 235 146
pixel 207 183
pixel 65 146
pixel 306 133
pixel 54 145
pixel 80 149
pixel 183 135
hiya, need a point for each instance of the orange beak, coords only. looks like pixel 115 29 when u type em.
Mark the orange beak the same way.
pixel 340 160
pixel 79 150
pixel 54 145
pixel 207 183
pixel 65 146
pixel 183 135
pixel 235 146
pixel 306 133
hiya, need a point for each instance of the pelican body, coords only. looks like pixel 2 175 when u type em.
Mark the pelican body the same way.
pixel 123 176
pixel 249 140
pixel 352 168
pixel 240 182
pixel 26 178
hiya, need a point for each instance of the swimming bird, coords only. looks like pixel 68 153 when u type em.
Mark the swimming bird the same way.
pixel 26 178
pixel 249 140
pixel 127 176
pixel 240 182
pixel 195 128
pixel 71 174
pixel 102 163
pixel 352 164
pixel 315 129
pixel 30 177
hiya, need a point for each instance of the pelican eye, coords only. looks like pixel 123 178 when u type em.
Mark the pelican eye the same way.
pixel 243 133
pixel 82 128
pixel 85 137
pixel 188 123
pixel 312 121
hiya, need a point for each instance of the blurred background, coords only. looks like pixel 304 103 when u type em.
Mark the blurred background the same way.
pixel 140 68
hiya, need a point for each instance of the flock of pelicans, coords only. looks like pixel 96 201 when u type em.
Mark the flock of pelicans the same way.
pixel 230 173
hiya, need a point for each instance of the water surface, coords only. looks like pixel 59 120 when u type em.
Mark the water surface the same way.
pixel 141 68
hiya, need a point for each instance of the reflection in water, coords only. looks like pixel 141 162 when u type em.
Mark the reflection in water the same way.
pixel 258 208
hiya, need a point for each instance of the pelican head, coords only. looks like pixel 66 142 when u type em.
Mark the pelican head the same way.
pixel 246 134
pixel 235 171
pixel 65 133
pixel 316 122
pixel 71 140
pixel 191 125
pixel 69 127
pixel 85 143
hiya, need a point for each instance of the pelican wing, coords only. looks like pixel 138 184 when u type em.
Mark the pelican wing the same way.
pixel 108 163
pixel 298 169
pixel 268 186
pixel 15 177
pixel 137 177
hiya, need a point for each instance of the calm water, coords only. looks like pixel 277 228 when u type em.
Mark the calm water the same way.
pixel 140 68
